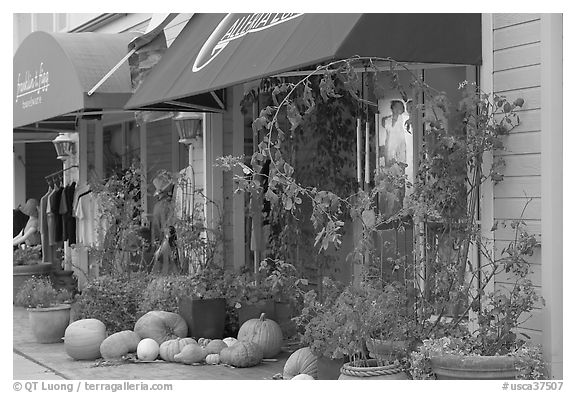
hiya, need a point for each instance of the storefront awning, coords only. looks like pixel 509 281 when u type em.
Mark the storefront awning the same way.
pixel 215 51
pixel 54 73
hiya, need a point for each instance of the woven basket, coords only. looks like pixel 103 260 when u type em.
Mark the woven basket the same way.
pixel 371 369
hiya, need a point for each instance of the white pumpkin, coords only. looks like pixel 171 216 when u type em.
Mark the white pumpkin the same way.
pixel 303 377
pixel 230 341
pixel 148 349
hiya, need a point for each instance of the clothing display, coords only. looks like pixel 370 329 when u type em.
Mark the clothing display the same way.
pixel 65 210
pixel 43 226
pixel 54 217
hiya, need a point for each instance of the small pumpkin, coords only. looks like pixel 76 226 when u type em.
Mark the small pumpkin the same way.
pixel 203 341
pixel 230 341
pixel 82 339
pixel 242 354
pixel 213 358
pixel 191 353
pixel 147 349
pixel 215 346
pixel 170 348
pixel 119 344
pixel 264 332
pixel 161 326
pixel 303 377
pixel 302 361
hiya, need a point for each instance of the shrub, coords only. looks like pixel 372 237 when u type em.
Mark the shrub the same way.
pixel 164 292
pixel 114 300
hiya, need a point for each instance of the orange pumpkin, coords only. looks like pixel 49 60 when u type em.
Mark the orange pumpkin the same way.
pixel 264 332
pixel 161 326
pixel 303 361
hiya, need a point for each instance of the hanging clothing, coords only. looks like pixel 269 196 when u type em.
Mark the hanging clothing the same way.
pixel 19 220
pixel 43 225
pixel 84 212
pixel 68 220
pixel 54 217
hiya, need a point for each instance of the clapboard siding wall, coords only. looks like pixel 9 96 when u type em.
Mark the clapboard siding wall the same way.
pixel 517 73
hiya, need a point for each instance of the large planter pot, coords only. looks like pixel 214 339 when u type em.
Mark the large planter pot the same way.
pixel 21 273
pixel 205 317
pixel 474 367
pixel 370 370
pixel 284 313
pixel 49 324
pixel 253 311
pixel 329 369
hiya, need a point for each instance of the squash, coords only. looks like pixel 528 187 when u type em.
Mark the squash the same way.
pixel 230 341
pixel 82 339
pixel 119 344
pixel 303 377
pixel 302 361
pixel 147 349
pixel 215 346
pixel 213 358
pixel 264 332
pixel 191 353
pixel 170 348
pixel 161 326
pixel 242 354
pixel 203 341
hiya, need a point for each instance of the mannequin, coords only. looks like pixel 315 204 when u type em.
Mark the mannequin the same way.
pixel 30 235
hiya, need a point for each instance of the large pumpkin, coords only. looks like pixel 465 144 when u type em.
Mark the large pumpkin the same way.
pixel 242 354
pixel 264 332
pixel 119 344
pixel 147 349
pixel 173 347
pixel 191 353
pixel 303 361
pixel 161 326
pixel 82 339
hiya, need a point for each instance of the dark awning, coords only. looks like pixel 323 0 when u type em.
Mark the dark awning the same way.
pixel 215 51
pixel 53 73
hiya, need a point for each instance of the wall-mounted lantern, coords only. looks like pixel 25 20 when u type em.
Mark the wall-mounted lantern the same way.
pixel 65 146
pixel 189 126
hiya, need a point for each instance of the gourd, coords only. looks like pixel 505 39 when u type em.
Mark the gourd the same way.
pixel 203 341
pixel 213 358
pixel 191 353
pixel 242 354
pixel 302 377
pixel 170 348
pixel 161 326
pixel 230 341
pixel 215 346
pixel 303 361
pixel 264 332
pixel 147 349
pixel 119 344
pixel 82 339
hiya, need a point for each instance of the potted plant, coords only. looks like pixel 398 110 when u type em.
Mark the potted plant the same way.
pixel 48 309
pixel 27 262
pixel 251 296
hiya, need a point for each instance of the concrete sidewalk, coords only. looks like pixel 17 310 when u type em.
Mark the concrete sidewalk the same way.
pixel 53 357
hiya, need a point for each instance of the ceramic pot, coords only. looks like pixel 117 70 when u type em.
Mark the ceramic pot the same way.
pixel 49 324
pixel 371 370
pixel 474 367
pixel 253 311
pixel 329 369
pixel 205 317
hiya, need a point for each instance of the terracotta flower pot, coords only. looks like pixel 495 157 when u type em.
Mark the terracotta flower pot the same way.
pixel 49 324
pixel 474 367
pixel 253 311
pixel 371 370
pixel 329 369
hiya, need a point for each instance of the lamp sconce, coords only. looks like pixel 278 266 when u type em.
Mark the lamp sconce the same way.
pixel 189 126
pixel 65 146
